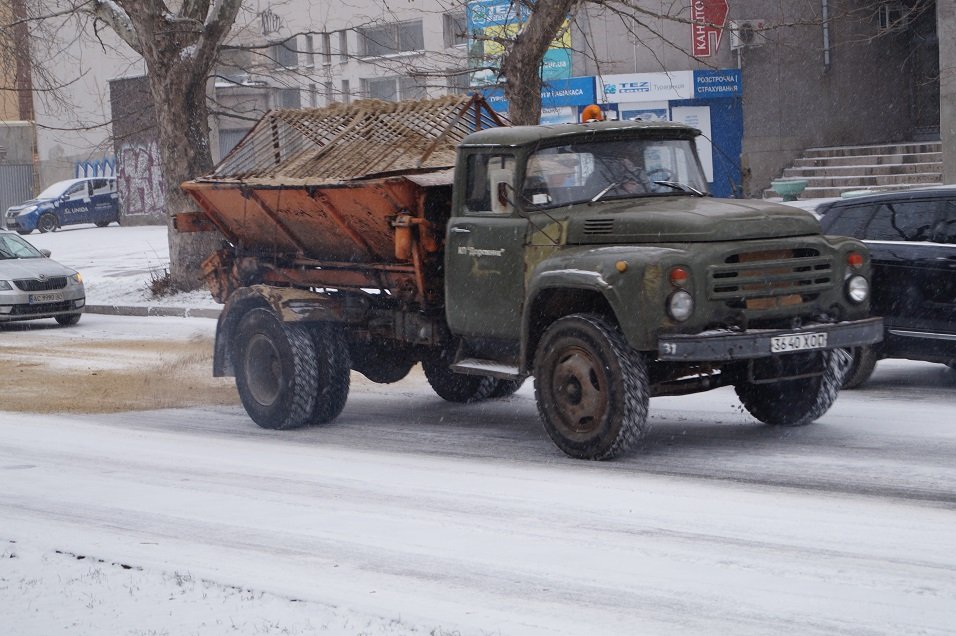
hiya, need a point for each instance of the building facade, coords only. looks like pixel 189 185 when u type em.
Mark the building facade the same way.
pixel 763 79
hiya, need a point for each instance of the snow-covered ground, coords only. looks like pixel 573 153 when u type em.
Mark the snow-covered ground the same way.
pixel 409 515
pixel 118 263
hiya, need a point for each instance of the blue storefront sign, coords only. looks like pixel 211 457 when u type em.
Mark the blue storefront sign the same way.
pixel 715 84
pixel 574 91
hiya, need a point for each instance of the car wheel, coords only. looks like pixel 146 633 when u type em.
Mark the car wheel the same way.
pixel 592 389
pixel 861 368
pixel 102 223
pixel 47 223
pixel 68 320
pixel 24 232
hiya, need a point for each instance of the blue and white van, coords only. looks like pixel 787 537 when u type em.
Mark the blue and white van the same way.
pixel 92 200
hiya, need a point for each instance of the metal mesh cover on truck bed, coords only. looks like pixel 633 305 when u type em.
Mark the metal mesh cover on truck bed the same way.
pixel 345 142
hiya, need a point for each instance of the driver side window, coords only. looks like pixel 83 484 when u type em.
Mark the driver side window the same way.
pixel 484 172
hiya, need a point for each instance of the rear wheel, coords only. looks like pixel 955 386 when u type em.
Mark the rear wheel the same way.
pixel 591 387
pixel 455 387
pixel 332 372
pixel 47 223
pixel 797 402
pixel 861 367
pixel 102 223
pixel 276 370
pixel 68 320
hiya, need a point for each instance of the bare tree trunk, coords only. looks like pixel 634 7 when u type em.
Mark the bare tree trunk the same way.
pixel 521 65
pixel 179 50
pixel 182 115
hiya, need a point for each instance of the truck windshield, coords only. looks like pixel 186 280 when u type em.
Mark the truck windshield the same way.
pixel 597 171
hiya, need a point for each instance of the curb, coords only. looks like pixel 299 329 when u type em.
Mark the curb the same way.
pixel 139 310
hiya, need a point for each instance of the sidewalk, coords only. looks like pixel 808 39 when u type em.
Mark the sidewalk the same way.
pixel 153 310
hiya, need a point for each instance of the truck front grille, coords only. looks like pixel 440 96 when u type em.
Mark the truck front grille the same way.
pixel 770 278
pixel 41 284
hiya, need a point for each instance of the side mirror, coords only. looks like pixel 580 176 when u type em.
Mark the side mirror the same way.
pixel 45 252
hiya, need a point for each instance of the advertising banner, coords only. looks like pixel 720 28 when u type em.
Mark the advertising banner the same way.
pixel 709 17
pixel 489 22
pixel 574 91
pixel 646 87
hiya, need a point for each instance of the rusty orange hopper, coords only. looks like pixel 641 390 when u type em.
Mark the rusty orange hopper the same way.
pixel 348 196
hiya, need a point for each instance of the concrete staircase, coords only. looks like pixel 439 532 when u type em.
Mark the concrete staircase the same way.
pixel 830 172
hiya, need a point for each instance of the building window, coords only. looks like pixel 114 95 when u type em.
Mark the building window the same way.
pixel 346 92
pixel 329 97
pixel 326 48
pixel 309 51
pixel 343 47
pixel 385 88
pixel 456 32
pixel 411 88
pixel 389 39
pixel 313 96
pixel 458 82
pixel 285 54
pixel 289 98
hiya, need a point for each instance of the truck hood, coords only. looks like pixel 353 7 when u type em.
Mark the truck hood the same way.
pixel 686 219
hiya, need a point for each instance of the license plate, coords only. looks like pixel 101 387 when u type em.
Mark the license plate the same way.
pixel 798 342
pixel 53 297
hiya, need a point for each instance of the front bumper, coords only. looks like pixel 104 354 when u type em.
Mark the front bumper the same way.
pixel 756 343
pixel 17 305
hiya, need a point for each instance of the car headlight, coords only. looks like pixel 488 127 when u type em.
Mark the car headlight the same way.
pixel 28 210
pixel 857 289
pixel 77 278
pixel 680 305
pixel 5 285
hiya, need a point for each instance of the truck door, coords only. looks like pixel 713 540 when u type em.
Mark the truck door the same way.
pixel 484 252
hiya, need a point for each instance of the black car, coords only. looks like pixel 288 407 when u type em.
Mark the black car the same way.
pixel 912 239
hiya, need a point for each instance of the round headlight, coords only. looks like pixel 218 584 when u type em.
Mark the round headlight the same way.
pixel 857 289
pixel 680 305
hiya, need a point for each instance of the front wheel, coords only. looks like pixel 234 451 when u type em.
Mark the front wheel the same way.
pixel 68 320
pixel 797 402
pixel 47 223
pixel 591 388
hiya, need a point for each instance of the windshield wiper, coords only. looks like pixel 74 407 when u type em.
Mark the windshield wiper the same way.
pixel 597 197
pixel 683 187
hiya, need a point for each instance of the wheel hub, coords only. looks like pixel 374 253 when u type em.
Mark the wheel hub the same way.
pixel 263 369
pixel 580 391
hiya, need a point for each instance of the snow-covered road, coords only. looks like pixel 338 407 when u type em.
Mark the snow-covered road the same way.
pixel 411 515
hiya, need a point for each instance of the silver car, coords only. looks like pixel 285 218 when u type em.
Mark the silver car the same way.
pixel 32 285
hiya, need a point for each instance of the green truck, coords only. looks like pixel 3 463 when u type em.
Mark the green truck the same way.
pixel 376 236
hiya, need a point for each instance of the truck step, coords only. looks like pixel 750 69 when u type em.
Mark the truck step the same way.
pixel 476 366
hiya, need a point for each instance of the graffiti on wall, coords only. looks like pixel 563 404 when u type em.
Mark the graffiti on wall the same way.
pixel 139 180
